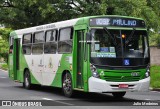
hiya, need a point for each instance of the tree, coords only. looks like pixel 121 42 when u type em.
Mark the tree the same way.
pixel 4 45
pixel 27 13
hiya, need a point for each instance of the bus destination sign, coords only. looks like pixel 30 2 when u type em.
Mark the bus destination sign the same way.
pixel 121 22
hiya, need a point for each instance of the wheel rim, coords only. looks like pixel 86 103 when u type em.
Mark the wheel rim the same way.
pixel 67 85
pixel 26 80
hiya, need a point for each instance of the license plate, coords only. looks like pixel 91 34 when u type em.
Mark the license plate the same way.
pixel 123 85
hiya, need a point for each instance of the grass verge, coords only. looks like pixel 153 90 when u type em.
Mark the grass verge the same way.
pixel 155 76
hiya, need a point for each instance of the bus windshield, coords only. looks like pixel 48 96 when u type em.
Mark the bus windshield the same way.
pixel 119 43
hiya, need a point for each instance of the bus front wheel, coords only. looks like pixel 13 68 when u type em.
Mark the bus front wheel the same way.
pixel 67 85
pixel 27 80
pixel 118 94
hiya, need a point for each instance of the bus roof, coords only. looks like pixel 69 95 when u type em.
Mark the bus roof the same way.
pixel 63 24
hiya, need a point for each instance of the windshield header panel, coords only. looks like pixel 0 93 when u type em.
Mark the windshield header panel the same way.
pixel 117 21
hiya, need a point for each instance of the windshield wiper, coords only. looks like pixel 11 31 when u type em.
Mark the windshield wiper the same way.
pixel 117 46
pixel 130 36
pixel 113 39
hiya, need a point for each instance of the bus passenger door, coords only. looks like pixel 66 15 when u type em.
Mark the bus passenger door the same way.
pixel 16 47
pixel 10 57
pixel 80 58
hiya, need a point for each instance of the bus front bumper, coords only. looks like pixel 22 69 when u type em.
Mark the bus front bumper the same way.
pixel 99 85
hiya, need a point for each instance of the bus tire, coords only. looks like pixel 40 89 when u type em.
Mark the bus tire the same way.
pixel 118 94
pixel 27 80
pixel 67 85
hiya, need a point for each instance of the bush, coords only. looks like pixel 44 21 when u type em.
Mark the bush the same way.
pixel 155 76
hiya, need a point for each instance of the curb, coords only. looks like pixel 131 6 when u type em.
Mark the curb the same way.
pixel 154 89
pixel 157 89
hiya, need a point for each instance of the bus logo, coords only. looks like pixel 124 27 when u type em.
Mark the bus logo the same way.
pixel 126 62
pixel 135 74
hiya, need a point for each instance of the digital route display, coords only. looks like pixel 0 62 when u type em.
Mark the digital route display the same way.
pixel 117 21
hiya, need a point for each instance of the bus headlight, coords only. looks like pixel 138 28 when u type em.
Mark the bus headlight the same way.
pixel 94 71
pixel 147 74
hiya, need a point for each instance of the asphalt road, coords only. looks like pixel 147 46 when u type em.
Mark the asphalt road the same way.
pixel 49 96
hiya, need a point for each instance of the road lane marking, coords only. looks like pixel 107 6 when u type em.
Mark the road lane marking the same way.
pixel 64 103
pixel 47 99
pixel 147 99
pixel 58 101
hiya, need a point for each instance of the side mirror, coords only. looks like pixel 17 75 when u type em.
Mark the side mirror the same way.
pixel 88 38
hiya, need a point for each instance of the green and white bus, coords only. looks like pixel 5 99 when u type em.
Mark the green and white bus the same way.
pixel 91 54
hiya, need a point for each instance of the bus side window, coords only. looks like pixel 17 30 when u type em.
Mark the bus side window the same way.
pixel 37 49
pixel 11 49
pixel 11 39
pixel 50 47
pixel 51 35
pixel 27 49
pixel 38 37
pixel 65 40
pixel 38 40
pixel 26 44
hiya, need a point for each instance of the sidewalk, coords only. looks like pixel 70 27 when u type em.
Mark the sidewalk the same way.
pixel 3 70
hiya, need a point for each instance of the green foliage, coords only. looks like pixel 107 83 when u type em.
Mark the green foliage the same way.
pixel 4 33
pixel 4 45
pixel 155 75
pixel 35 12
pixel 27 13
pixel 154 39
pixel 3 50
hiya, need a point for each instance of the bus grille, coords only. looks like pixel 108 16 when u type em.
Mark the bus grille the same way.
pixel 122 78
